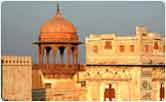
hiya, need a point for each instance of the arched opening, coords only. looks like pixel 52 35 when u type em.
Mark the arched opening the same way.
pixel 61 51
pixel 162 94
pixel 47 54
pixel 109 93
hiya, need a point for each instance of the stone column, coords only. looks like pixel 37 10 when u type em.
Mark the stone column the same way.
pixel 73 55
pixel 68 55
pixel 40 54
pixel 54 55
pixel 76 55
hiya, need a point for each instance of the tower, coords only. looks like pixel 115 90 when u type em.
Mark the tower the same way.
pixel 57 35
pixel 16 78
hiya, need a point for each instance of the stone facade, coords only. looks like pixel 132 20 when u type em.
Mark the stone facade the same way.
pixel 16 78
pixel 133 65
pixel 135 75
pixel 144 48
pixel 117 67
pixel 126 80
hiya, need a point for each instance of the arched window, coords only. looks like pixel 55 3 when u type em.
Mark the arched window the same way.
pixel 162 93
pixel 47 85
pixel 108 45
pixel 109 93
pixel 1 61
pixel 95 49
pixel 121 48
pixel 164 48
pixel 146 47
pixel 156 46
pixel 132 49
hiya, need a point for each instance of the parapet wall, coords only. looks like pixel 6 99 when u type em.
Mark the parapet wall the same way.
pixel 16 60
pixel 17 78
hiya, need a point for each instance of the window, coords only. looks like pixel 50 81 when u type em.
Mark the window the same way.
pixel 143 34
pixel 132 48
pixel 83 83
pixel 156 46
pixel 108 45
pixel 47 85
pixel 146 47
pixel 164 48
pixel 121 48
pixel 109 93
pixel 88 73
pixel 95 49
pixel 1 61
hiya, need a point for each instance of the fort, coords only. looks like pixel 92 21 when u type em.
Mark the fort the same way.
pixel 117 67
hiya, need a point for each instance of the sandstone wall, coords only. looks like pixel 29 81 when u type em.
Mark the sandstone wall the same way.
pixel 17 78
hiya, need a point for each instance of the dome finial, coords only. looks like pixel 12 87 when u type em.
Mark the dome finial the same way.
pixel 58 10
pixel 58 7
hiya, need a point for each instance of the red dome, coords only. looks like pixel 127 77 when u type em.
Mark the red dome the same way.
pixel 58 28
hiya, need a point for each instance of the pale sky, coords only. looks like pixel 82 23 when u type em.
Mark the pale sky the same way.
pixel 21 21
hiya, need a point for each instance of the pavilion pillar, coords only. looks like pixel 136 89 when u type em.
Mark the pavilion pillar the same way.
pixel 76 55
pixel 54 55
pixel 73 55
pixel 68 55
pixel 40 54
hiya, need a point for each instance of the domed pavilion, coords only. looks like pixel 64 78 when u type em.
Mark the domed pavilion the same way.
pixel 57 35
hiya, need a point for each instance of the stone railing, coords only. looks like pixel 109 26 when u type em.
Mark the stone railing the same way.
pixel 59 68
pixel 16 60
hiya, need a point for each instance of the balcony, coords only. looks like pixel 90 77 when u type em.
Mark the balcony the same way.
pixel 59 68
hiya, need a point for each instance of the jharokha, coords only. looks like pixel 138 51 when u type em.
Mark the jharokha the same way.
pixel 116 68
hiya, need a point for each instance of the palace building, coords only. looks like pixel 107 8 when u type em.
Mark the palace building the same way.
pixel 117 67
pixel 132 65
pixel 144 48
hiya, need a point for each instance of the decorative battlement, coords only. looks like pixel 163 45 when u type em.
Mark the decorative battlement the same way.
pixel 141 30
pixel 106 74
pixel 16 60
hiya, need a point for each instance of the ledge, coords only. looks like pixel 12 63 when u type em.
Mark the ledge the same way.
pixel 57 42
pixel 129 65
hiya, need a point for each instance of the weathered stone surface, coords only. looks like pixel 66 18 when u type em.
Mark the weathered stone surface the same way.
pixel 144 48
pixel 17 78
